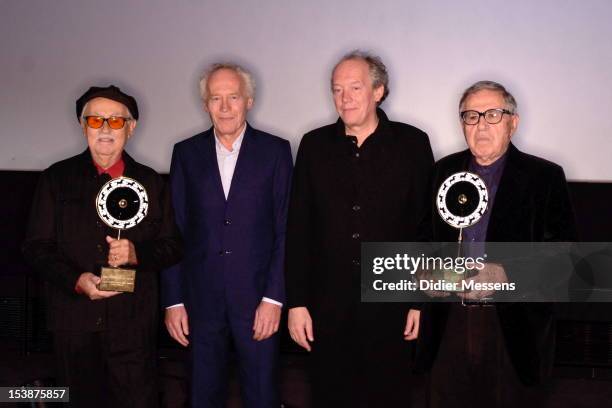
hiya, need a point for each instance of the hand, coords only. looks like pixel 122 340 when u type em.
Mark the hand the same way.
pixel 413 318
pixel 427 275
pixel 87 284
pixel 177 323
pixel 121 252
pixel 491 273
pixel 300 326
pixel 267 319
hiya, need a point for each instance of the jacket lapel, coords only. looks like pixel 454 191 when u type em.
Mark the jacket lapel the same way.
pixel 508 199
pixel 209 164
pixel 244 165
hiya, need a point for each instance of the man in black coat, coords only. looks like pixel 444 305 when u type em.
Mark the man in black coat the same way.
pixel 495 355
pixel 104 341
pixel 364 178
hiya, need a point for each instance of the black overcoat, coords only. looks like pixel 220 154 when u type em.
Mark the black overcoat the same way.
pixel 341 196
pixel 65 238
pixel 532 204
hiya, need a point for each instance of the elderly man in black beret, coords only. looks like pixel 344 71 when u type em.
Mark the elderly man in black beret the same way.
pixel 104 340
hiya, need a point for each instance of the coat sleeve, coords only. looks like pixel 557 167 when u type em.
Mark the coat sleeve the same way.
pixel 172 278
pixel 299 231
pixel 166 249
pixel 425 194
pixel 560 222
pixel 40 246
pixel 553 264
pixel 275 287
pixel 422 203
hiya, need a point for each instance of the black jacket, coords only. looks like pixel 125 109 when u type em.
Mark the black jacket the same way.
pixel 65 238
pixel 341 196
pixel 532 204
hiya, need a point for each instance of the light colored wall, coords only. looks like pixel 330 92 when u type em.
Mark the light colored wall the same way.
pixel 555 56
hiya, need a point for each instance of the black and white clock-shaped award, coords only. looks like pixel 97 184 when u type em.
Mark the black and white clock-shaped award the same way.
pixel 122 203
pixel 462 200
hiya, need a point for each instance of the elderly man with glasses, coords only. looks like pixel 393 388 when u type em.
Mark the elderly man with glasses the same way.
pixel 497 355
pixel 104 340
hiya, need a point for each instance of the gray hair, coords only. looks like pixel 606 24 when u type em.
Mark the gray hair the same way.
pixel 490 86
pixel 377 69
pixel 247 78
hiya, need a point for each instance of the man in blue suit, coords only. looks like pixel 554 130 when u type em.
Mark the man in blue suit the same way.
pixel 230 187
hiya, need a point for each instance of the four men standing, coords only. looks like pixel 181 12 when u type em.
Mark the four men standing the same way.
pixel 364 178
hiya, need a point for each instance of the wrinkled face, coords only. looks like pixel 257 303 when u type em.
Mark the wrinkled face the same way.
pixel 227 102
pixel 106 144
pixel 488 142
pixel 354 96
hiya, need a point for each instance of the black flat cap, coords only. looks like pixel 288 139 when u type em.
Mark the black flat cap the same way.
pixel 109 92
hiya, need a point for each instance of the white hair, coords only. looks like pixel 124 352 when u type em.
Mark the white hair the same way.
pixel 246 76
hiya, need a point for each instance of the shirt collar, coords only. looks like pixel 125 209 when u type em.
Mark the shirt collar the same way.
pixel 494 167
pixel 235 146
pixel 380 128
pixel 114 171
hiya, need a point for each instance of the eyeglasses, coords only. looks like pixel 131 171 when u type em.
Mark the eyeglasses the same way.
pixel 491 116
pixel 114 122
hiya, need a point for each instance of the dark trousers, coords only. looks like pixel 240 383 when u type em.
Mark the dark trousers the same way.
pixel 108 368
pixel 257 364
pixel 473 368
pixel 365 369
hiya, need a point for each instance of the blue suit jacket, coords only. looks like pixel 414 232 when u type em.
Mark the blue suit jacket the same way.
pixel 234 248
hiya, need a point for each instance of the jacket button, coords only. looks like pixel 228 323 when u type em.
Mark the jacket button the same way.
pixel 100 249
pixel 99 321
pixel 357 155
pixel 355 235
pixel 227 222
pixel 356 207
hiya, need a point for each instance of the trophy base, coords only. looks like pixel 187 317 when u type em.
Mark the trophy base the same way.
pixel 451 277
pixel 117 279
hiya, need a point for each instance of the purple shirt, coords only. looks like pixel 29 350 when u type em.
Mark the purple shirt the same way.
pixel 491 175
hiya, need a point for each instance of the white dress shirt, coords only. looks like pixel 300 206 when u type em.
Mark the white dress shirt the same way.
pixel 227 159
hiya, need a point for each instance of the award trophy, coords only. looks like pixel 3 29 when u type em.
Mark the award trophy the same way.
pixel 121 203
pixel 462 200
